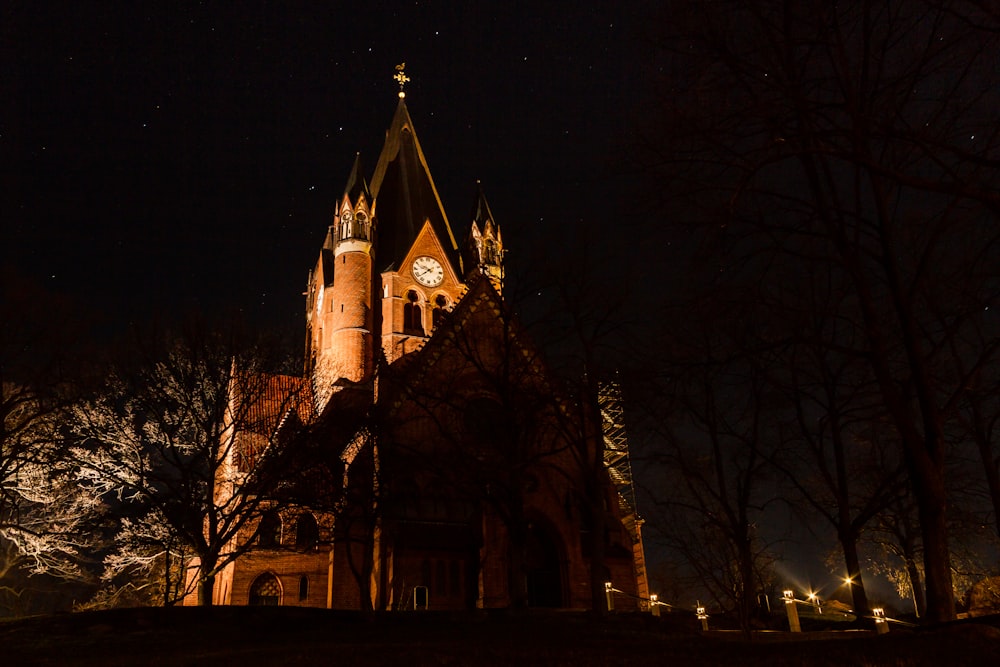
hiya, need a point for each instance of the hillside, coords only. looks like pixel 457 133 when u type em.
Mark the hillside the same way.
pixel 257 637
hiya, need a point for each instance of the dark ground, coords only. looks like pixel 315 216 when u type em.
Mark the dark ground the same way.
pixel 252 637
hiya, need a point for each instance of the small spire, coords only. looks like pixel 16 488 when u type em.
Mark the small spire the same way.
pixel 356 184
pixel 401 78
pixel 481 210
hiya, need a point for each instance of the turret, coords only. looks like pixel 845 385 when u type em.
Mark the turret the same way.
pixel 483 249
pixel 339 295
pixel 351 296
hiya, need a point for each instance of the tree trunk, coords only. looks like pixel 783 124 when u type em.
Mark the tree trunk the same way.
pixel 746 596
pixel 517 580
pixel 598 567
pixel 859 597
pixel 916 587
pixel 931 504
pixel 206 587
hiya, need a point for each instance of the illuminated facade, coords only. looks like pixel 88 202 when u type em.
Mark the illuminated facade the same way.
pixel 464 473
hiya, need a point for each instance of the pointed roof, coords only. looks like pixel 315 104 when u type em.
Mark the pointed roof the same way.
pixel 356 184
pixel 481 209
pixel 406 195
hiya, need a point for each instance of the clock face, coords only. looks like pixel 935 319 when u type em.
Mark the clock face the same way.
pixel 428 271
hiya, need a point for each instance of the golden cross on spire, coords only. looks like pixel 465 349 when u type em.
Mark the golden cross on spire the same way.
pixel 401 78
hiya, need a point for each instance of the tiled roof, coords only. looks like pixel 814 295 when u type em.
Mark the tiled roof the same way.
pixel 266 401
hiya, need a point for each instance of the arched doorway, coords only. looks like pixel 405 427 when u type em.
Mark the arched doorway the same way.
pixel 544 567
pixel 265 591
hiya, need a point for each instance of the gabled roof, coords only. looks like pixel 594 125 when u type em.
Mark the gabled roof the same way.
pixel 405 196
pixel 479 315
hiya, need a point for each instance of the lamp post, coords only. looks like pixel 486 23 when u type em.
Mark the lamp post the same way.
pixel 792 611
pixel 702 616
pixel 609 594
pixel 881 626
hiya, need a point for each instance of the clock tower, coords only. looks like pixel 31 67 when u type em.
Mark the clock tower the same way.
pixel 390 269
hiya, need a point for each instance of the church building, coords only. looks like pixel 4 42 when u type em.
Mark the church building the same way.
pixel 450 469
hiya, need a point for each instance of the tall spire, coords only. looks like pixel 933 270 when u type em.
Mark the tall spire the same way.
pixel 406 196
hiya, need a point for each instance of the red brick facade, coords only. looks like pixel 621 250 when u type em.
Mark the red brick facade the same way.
pixel 469 491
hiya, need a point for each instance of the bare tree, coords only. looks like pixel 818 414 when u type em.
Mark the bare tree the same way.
pixel 186 443
pixel 717 433
pixel 46 521
pixel 483 392
pixel 859 135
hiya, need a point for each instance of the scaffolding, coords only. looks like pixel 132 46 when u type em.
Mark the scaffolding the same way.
pixel 616 456
pixel 616 459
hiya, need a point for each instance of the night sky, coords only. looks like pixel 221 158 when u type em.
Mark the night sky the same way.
pixel 158 159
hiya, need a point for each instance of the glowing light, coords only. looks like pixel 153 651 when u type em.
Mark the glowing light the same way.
pixel 848 580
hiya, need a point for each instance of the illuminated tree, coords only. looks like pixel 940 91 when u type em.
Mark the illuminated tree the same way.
pixel 185 443
pixel 47 524
pixel 43 514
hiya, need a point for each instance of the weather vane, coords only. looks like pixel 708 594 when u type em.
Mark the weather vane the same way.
pixel 401 78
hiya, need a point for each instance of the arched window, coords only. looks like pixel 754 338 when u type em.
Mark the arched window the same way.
pixel 303 588
pixel 361 230
pixel 345 225
pixel 413 316
pixel 265 591
pixel 306 532
pixel 440 306
pixel 269 531
pixel 490 255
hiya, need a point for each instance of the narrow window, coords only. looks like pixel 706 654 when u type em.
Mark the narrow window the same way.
pixel 269 531
pixel 413 315
pixel 303 588
pixel 306 532
pixel 440 304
